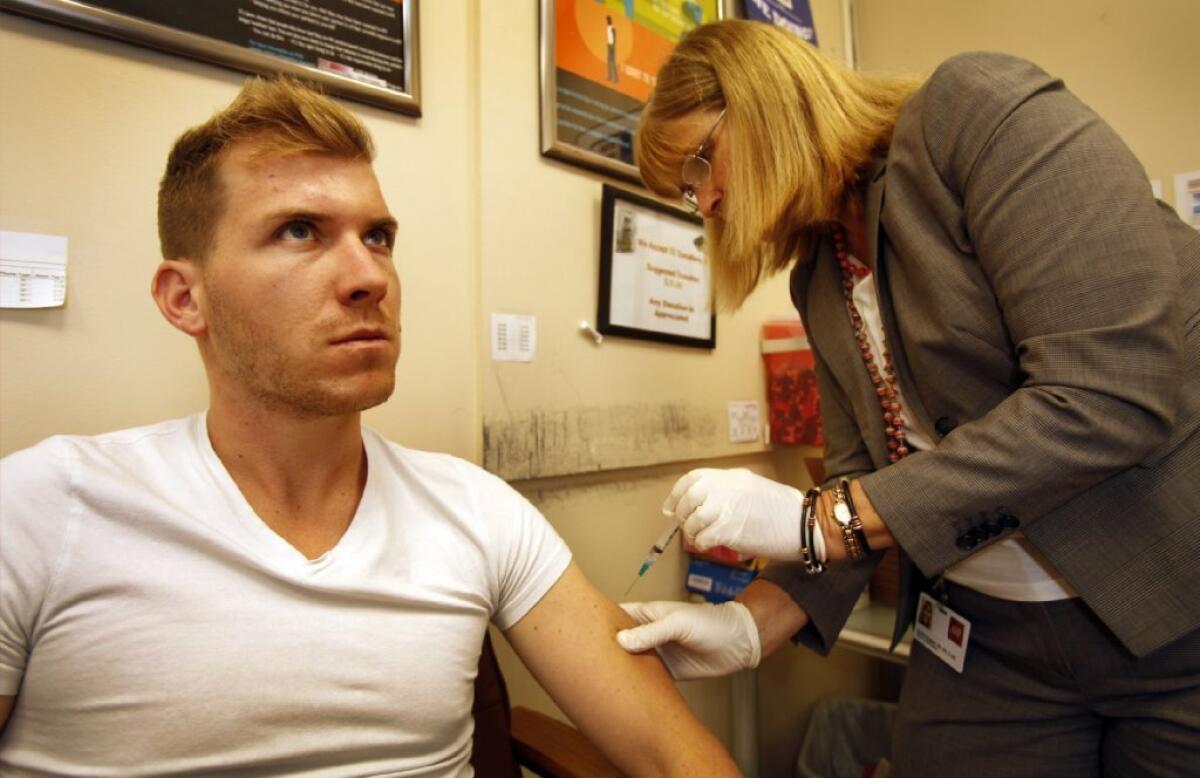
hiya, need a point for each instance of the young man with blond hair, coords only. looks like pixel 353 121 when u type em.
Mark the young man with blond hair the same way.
pixel 269 587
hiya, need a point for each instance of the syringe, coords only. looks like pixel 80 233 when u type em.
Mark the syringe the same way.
pixel 655 552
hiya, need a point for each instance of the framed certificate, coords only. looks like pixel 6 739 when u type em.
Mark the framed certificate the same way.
pixel 599 59
pixel 365 50
pixel 654 278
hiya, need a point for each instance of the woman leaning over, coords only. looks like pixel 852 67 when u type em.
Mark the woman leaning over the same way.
pixel 1008 352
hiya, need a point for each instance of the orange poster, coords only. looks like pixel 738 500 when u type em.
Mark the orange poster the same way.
pixel 605 54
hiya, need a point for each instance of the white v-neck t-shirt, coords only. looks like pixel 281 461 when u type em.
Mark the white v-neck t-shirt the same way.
pixel 1011 569
pixel 151 623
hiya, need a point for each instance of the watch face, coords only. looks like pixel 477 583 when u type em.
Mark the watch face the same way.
pixel 841 512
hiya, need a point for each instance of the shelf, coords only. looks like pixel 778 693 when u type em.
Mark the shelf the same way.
pixel 869 631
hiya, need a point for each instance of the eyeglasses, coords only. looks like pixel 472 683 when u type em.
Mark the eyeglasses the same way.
pixel 697 169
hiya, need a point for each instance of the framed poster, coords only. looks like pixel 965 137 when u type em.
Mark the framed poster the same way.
pixel 795 16
pixel 654 278
pixel 365 50
pixel 599 59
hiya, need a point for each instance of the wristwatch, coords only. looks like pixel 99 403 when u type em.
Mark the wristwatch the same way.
pixel 853 535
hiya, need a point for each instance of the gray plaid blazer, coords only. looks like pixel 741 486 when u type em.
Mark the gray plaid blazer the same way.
pixel 1043 313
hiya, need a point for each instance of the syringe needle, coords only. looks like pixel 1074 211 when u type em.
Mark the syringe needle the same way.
pixel 656 551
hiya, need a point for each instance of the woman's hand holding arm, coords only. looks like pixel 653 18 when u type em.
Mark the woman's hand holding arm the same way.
pixel 700 640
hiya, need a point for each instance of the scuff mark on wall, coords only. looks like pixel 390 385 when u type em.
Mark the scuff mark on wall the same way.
pixel 545 443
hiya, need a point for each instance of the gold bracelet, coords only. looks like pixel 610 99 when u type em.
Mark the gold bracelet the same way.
pixel 856 524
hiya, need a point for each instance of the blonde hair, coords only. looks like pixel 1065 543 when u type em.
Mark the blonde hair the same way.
pixel 803 129
pixel 280 116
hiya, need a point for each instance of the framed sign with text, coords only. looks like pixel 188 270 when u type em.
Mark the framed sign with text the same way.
pixel 599 59
pixel 654 278
pixel 792 15
pixel 365 50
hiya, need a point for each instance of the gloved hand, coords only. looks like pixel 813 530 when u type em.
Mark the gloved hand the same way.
pixel 738 509
pixel 694 640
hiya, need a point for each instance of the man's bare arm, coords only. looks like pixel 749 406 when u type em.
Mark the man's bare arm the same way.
pixel 626 704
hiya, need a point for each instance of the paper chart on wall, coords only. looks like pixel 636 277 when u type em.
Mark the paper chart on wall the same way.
pixel 1187 197
pixel 33 270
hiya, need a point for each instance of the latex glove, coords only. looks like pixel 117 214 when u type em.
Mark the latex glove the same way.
pixel 694 640
pixel 738 509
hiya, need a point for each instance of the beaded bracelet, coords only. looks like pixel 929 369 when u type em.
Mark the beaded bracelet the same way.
pixel 860 532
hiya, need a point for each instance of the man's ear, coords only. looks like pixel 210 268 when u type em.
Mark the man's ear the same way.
pixel 175 288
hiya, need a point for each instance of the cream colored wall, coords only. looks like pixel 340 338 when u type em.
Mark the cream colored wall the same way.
pixel 87 125
pixel 1132 61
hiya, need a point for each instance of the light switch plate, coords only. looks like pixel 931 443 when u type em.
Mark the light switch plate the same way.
pixel 743 421
pixel 514 337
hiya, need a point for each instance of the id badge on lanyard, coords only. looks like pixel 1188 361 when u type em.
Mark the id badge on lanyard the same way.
pixel 942 631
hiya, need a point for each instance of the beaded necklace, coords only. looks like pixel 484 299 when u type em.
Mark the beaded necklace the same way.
pixel 885 382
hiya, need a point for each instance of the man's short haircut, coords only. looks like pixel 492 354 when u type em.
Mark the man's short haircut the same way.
pixel 279 116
